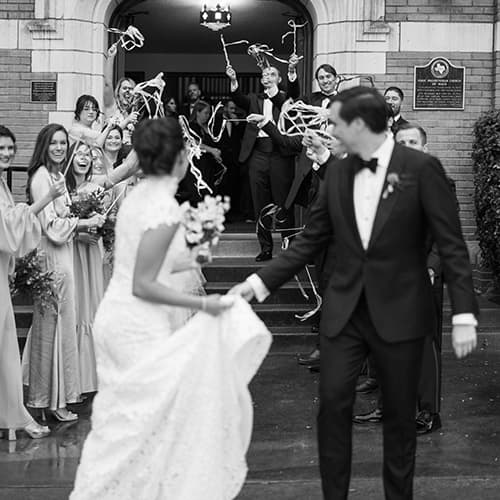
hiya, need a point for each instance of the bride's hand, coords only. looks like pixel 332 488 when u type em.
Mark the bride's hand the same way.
pixel 216 304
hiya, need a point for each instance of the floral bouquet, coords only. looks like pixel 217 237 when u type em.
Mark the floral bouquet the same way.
pixel 85 205
pixel 31 280
pixel 204 225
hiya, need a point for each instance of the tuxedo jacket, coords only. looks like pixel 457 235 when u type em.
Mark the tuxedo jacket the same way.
pixel 395 126
pixel 254 103
pixel 392 271
pixel 299 191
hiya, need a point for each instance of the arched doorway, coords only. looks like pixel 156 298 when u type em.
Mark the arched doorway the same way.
pixel 176 44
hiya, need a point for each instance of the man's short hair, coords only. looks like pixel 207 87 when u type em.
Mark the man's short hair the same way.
pixel 365 103
pixel 395 89
pixel 411 126
pixel 328 68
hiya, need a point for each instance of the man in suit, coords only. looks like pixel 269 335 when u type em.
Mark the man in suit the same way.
pixel 376 207
pixel 270 170
pixel 194 95
pixel 429 388
pixel 394 96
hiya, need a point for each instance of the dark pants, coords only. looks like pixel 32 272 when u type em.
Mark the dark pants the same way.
pixel 271 176
pixel 398 371
pixel 429 387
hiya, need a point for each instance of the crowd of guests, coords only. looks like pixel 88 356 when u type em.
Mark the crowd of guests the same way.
pixel 253 163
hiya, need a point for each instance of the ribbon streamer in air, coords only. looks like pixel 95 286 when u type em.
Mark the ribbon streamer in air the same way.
pixel 298 118
pixel 224 45
pixel 259 51
pixel 193 146
pixel 147 97
pixel 293 32
pixel 130 38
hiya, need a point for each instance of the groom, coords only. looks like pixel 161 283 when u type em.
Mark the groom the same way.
pixel 376 208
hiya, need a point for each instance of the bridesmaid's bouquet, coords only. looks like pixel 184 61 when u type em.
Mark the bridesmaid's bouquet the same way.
pixel 85 205
pixel 30 280
pixel 204 225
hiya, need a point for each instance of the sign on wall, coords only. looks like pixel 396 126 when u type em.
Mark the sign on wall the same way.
pixel 43 92
pixel 439 85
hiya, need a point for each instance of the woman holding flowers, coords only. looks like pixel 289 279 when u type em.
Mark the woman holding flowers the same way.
pixel 88 261
pixel 20 232
pixel 50 358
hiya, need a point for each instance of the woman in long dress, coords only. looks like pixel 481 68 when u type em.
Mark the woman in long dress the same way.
pixel 172 418
pixel 20 232
pixel 50 358
pixel 88 253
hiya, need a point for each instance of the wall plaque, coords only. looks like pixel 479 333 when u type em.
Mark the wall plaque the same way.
pixel 439 85
pixel 43 91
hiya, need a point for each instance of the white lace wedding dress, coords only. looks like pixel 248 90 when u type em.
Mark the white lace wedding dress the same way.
pixel 173 416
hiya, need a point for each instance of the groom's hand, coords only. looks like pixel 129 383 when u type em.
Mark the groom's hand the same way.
pixel 464 339
pixel 244 290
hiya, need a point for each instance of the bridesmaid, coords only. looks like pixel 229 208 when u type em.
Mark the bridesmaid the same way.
pixel 20 232
pixel 51 366
pixel 88 269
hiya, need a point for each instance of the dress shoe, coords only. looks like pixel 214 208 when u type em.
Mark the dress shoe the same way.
pixel 372 417
pixel 266 255
pixel 367 386
pixel 310 359
pixel 427 422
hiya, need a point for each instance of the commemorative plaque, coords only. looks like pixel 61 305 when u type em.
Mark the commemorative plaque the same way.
pixel 44 92
pixel 439 85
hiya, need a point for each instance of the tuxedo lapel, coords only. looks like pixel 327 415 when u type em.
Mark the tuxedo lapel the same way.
pixel 346 196
pixel 386 204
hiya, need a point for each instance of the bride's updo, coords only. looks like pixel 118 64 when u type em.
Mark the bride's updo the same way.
pixel 157 143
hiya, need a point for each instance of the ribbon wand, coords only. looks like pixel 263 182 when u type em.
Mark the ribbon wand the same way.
pixel 225 45
pixel 294 27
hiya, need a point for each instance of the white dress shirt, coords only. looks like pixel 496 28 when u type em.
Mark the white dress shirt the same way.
pixel 367 192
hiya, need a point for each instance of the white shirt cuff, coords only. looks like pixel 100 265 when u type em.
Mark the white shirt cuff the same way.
pixel 263 123
pixel 259 289
pixel 292 76
pixel 234 86
pixel 466 319
pixel 323 157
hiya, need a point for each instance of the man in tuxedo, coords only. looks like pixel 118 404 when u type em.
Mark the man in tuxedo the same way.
pixel 270 170
pixel 394 96
pixel 194 95
pixel 376 207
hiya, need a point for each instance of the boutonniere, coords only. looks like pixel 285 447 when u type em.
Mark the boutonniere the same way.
pixel 393 183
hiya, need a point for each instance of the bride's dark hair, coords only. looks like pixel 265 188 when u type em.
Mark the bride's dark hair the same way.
pixel 157 143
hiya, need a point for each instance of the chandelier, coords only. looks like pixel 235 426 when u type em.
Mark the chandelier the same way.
pixel 215 19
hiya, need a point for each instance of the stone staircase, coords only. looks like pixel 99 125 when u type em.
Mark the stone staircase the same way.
pixel 234 260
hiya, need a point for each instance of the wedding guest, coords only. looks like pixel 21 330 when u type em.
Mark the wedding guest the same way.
pixel 210 162
pixel 194 95
pixel 118 101
pixel 270 171
pixel 50 357
pixel 394 96
pixel 171 107
pixel 88 268
pixel 87 113
pixel 20 232
pixel 328 81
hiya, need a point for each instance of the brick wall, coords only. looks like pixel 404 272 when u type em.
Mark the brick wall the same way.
pixel 450 133
pixel 440 10
pixel 14 9
pixel 17 111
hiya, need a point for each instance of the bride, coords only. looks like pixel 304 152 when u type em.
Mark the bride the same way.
pixel 173 415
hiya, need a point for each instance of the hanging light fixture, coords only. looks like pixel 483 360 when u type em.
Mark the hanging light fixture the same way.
pixel 216 18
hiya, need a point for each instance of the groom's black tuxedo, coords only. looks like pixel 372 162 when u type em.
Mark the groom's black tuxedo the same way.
pixel 392 271
pixel 378 301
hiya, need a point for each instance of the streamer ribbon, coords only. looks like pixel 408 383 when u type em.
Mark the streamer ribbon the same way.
pixel 293 32
pixel 130 38
pixel 227 44
pixel 147 96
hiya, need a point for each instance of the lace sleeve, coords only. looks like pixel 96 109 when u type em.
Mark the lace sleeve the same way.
pixel 162 212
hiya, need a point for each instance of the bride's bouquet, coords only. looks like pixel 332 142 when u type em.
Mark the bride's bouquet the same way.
pixel 204 225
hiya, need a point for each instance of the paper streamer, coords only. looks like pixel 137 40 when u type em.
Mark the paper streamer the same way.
pixel 129 39
pixel 193 146
pixel 224 45
pixel 259 51
pixel 298 118
pixel 294 27
pixel 211 123
pixel 147 96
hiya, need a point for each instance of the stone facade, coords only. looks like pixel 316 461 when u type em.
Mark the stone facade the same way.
pixel 65 41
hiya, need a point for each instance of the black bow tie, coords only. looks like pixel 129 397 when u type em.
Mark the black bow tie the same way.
pixel 370 164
